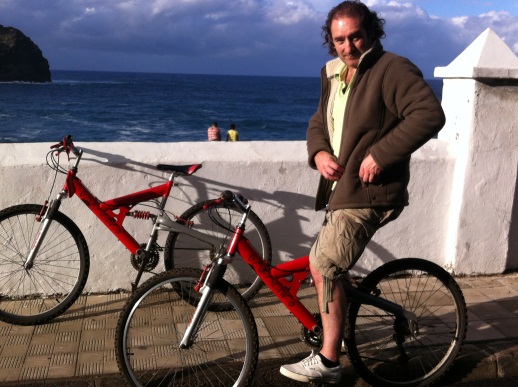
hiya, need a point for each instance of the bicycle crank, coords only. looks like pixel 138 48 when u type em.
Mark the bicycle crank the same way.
pixel 311 339
pixel 152 261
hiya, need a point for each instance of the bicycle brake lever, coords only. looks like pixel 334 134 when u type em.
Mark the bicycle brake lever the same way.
pixel 241 199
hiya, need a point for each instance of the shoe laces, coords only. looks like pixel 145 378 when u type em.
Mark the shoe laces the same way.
pixel 311 359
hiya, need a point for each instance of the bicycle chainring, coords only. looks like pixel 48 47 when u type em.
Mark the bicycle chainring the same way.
pixel 310 338
pixel 154 258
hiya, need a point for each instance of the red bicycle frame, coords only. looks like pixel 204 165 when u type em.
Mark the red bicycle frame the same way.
pixel 106 211
pixel 284 280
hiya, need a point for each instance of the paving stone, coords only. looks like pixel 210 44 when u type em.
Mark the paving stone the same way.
pixel 77 349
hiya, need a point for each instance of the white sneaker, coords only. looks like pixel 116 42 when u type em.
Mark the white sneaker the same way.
pixel 311 369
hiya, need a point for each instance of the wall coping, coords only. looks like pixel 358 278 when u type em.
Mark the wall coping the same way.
pixel 487 57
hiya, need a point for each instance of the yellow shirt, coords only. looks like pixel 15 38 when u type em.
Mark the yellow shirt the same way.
pixel 340 102
pixel 232 135
pixel 341 96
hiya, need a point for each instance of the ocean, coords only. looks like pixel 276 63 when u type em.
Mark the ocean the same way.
pixel 140 107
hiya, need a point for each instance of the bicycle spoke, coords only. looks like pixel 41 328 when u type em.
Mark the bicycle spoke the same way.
pixel 386 351
pixel 218 220
pixel 152 325
pixel 58 272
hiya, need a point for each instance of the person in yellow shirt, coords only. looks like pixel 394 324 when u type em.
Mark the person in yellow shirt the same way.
pixel 232 134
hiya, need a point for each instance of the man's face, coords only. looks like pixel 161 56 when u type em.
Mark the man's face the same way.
pixel 350 40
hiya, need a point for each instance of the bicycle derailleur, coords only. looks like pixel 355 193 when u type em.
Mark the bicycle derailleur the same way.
pixel 152 259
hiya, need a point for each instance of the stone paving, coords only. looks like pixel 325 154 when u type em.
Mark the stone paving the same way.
pixel 78 347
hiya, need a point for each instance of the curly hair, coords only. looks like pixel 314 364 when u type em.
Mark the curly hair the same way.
pixel 369 20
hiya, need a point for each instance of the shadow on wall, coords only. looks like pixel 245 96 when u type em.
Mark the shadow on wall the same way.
pixel 287 209
pixel 286 230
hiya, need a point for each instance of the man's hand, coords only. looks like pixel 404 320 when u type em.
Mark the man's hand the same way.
pixel 328 167
pixel 369 170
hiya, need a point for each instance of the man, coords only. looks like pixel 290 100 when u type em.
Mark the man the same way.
pixel 375 110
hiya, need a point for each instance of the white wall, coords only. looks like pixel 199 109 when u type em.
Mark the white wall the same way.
pixel 273 175
pixel 462 212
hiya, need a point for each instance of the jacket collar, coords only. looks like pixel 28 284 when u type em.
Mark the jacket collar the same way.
pixel 370 56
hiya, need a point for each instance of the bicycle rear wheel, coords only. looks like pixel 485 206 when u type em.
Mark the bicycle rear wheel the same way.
pixel 43 292
pixel 218 220
pixel 422 357
pixel 154 320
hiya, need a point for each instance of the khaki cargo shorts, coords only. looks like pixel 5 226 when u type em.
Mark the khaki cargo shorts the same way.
pixel 344 236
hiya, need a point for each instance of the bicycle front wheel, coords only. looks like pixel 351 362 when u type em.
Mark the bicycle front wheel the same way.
pixel 218 220
pixel 387 352
pixel 152 324
pixel 30 296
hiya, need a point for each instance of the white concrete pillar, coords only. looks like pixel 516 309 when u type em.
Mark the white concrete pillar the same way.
pixel 480 99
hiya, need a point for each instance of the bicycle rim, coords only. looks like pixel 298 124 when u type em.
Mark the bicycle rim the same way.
pixel 59 273
pixel 153 322
pixel 219 220
pixel 423 357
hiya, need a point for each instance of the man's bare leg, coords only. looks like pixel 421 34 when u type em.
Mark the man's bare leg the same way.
pixel 333 323
pixel 324 367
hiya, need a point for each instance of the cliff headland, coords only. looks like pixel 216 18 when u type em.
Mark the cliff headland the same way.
pixel 21 60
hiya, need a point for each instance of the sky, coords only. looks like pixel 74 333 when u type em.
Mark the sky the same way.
pixel 242 37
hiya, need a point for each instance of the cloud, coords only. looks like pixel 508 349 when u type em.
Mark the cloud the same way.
pixel 503 23
pixel 175 27
pixel 270 37
pixel 431 41
pixel 220 32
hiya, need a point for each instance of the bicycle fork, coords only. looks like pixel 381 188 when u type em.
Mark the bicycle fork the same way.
pixel 46 220
pixel 207 282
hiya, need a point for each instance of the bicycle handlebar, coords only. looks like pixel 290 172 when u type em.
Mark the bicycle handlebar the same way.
pixel 239 200
pixel 67 145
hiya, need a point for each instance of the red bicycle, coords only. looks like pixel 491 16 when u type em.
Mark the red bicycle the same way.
pixel 405 324
pixel 44 259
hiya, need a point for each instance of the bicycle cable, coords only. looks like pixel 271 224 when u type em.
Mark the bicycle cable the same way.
pixel 53 163
pixel 57 168
pixel 220 224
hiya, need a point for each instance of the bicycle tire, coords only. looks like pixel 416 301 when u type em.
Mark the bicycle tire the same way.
pixel 58 276
pixel 428 291
pixel 153 321
pixel 182 250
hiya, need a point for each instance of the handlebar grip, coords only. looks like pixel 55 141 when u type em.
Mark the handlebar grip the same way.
pixel 69 145
pixel 66 144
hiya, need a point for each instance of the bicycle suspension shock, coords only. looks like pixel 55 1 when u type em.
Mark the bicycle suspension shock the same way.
pixel 144 215
pixel 214 275
pixel 47 219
